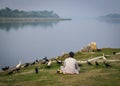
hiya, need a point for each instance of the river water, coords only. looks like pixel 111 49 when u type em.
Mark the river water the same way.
pixel 28 41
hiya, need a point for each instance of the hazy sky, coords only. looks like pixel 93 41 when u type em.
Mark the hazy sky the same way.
pixel 66 8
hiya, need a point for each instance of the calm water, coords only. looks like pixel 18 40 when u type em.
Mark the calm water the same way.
pixel 30 41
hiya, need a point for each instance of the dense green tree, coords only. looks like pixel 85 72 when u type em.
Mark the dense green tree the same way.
pixel 7 12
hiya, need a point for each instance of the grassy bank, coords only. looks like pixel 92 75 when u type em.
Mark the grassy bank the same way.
pixel 89 75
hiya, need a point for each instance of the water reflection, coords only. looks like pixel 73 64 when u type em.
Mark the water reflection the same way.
pixel 110 20
pixel 7 26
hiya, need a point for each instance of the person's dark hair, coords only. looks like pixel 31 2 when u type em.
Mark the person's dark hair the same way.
pixel 71 54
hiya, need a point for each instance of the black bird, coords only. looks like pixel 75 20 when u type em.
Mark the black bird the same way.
pixel 17 69
pixel 5 68
pixel 80 65
pixel 37 61
pixel 45 58
pixel 26 64
pixel 89 63
pixel 36 70
pixel 114 53
pixel 96 63
pixel 106 64
pixel 10 72
pixel 58 61
pixel 33 63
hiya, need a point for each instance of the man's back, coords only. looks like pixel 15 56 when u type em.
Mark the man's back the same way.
pixel 70 66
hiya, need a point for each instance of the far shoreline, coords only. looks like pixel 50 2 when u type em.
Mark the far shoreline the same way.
pixel 35 19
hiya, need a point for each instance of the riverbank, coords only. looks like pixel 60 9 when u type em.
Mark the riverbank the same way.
pixel 31 19
pixel 91 75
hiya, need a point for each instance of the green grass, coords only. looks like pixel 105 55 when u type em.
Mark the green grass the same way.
pixel 89 75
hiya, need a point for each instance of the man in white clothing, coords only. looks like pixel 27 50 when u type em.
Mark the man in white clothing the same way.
pixel 70 65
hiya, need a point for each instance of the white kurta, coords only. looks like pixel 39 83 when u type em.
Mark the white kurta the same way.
pixel 70 66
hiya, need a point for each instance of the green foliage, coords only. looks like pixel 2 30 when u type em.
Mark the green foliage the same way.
pixel 7 12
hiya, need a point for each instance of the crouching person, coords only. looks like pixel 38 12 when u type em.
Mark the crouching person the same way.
pixel 70 65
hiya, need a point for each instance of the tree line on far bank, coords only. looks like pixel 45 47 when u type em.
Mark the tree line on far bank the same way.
pixel 7 12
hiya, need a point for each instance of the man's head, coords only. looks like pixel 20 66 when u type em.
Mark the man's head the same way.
pixel 71 54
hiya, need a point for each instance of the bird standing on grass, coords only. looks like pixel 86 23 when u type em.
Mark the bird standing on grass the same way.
pixel 18 65
pixel 96 63
pixel 89 63
pixel 10 73
pixel 45 60
pixel 36 70
pixel 5 68
pixel 106 64
pixel 49 64
pixel 58 61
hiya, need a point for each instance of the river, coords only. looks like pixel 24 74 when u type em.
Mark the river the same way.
pixel 29 41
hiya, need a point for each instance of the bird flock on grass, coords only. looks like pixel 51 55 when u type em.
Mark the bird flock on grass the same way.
pixel 48 63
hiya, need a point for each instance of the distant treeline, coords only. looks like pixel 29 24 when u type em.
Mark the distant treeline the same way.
pixel 115 15
pixel 7 12
pixel 111 18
